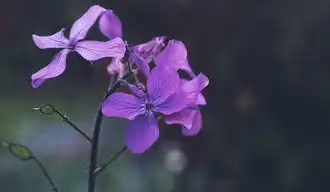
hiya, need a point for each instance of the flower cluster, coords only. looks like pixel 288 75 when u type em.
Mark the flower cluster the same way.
pixel 163 95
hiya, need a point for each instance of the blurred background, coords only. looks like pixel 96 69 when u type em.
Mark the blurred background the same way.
pixel 266 125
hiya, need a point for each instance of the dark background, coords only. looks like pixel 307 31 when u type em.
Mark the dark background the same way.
pixel 267 119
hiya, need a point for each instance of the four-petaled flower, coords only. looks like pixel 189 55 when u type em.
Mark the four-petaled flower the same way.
pixel 89 50
pixel 163 96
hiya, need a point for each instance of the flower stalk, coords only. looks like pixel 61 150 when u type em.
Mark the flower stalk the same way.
pixel 161 95
pixel 96 135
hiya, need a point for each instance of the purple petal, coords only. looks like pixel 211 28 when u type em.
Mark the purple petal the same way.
pixel 185 118
pixel 56 40
pixel 193 87
pixel 151 48
pixel 185 66
pixel 94 50
pixel 141 64
pixel 201 100
pixel 110 25
pixel 174 55
pixel 141 133
pixel 81 26
pixel 174 103
pixel 162 83
pixel 138 92
pixel 55 68
pixel 196 125
pixel 116 67
pixel 123 105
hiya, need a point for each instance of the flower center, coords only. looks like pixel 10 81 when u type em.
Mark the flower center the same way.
pixel 71 46
pixel 149 106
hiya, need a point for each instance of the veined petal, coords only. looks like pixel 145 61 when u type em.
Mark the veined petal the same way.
pixel 81 26
pixel 136 91
pixel 141 63
pixel 55 68
pixel 94 50
pixel 174 103
pixel 193 88
pixel 196 125
pixel 184 117
pixel 116 67
pixel 174 55
pixel 162 83
pixel 141 133
pixel 110 25
pixel 56 40
pixel 123 105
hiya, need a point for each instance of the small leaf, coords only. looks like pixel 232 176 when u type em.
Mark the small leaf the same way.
pixel 20 151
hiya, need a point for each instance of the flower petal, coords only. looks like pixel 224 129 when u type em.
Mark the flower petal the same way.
pixel 123 105
pixel 81 26
pixel 185 118
pixel 174 103
pixel 200 100
pixel 162 83
pixel 151 48
pixel 116 67
pixel 174 55
pixel 196 126
pixel 141 64
pixel 110 24
pixel 94 50
pixel 193 87
pixel 56 40
pixel 185 66
pixel 141 133
pixel 138 92
pixel 55 68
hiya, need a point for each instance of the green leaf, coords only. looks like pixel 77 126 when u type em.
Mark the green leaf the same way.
pixel 20 151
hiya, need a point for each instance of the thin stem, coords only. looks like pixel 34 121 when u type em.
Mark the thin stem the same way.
pixel 49 109
pixel 93 157
pixel 46 174
pixel 69 122
pixel 96 135
pixel 98 170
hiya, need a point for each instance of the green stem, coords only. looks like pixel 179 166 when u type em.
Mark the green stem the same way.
pixel 46 174
pixel 96 136
pixel 98 170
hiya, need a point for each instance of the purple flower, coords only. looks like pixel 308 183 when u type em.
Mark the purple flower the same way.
pixel 190 117
pixel 163 96
pixel 150 49
pixel 89 50
pixel 174 55
pixel 144 53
